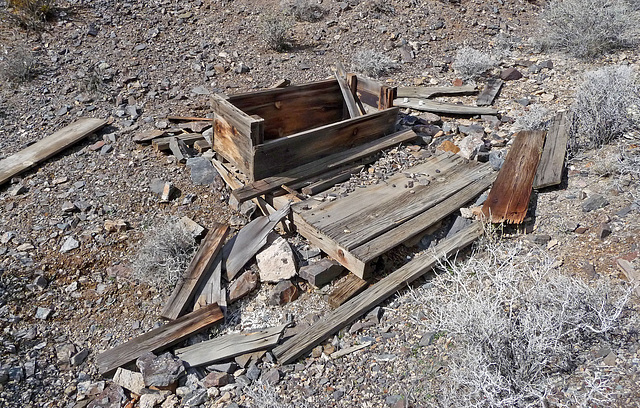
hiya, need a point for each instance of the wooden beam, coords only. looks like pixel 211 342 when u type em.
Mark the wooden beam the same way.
pixel 551 165
pixel 509 197
pixel 320 166
pixel 198 271
pixel 283 83
pixel 489 93
pixel 352 81
pixel 329 180
pixel 229 346
pixel 442 107
pixel 47 147
pixel 340 75
pixel 187 119
pixel 163 143
pixel 346 289
pixel 158 339
pixel 333 321
pixel 430 92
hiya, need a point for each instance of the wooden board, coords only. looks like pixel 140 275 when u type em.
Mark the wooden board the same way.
pixel 229 346
pixel 374 93
pixel 489 93
pixel 347 92
pixel 158 339
pixel 442 107
pixel 305 147
pixel 346 289
pixel 163 143
pixel 509 197
pixel 551 165
pixel 320 166
pixel 47 147
pixel 430 92
pixel 209 291
pixel 335 320
pixel 198 271
pixel 330 180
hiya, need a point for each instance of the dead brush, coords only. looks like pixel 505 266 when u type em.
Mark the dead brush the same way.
pixel 535 117
pixel 472 63
pixel 29 13
pixel 276 29
pixel 19 64
pixel 303 10
pixel 372 63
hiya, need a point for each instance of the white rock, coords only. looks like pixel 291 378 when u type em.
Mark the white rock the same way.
pixel 277 261
pixel 130 380
pixel 69 244
pixel 469 146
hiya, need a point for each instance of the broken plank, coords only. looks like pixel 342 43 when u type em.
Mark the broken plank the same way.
pixel 201 146
pixel 508 199
pixel 430 92
pixel 162 143
pixel 47 147
pixel 551 165
pixel 340 75
pixel 283 83
pixel 148 135
pixel 442 107
pixel 158 339
pixel 331 180
pixel 187 119
pixel 320 166
pixel 229 346
pixel 335 320
pixel 197 272
pixel 489 93
pixel 346 289
pixel 249 240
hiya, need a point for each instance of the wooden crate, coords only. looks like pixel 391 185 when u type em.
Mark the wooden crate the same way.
pixel 267 132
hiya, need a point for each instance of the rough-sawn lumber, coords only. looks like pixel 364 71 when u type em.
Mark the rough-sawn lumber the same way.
pixel 47 147
pixel 158 339
pixel 346 289
pixel 430 92
pixel 489 92
pixel 333 321
pixel 549 171
pixel 442 107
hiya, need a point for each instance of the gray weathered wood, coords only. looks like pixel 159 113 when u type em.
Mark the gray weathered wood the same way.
pixel 489 93
pixel 248 241
pixel 229 346
pixel 442 107
pixel 349 100
pixel 329 180
pixel 430 92
pixel 551 164
pixel 333 321
pixel 346 289
pixel 158 339
pixel 209 291
pixel 47 147
pixel 162 143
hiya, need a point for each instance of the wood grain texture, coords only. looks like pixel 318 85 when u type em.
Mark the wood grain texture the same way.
pixel 430 92
pixel 229 346
pixel 331 179
pixel 320 166
pixel 346 289
pixel 198 271
pixel 278 156
pixel 347 92
pixel 375 93
pixel 47 147
pixel 509 197
pixel 158 339
pixel 551 165
pixel 163 143
pixel 490 91
pixel 444 108
pixel 332 322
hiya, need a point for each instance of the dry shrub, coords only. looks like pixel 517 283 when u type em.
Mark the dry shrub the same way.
pixel 30 13
pixel 303 10
pixel 536 117
pixel 588 28
pixel 372 63
pixel 276 30
pixel 470 63
pixel 19 65
pixel 516 327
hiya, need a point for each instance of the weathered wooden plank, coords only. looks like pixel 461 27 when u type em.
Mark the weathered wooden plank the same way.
pixel 305 147
pixel 283 83
pixel 175 118
pixel 208 292
pixel 430 92
pixel 158 339
pixel 347 94
pixel 374 93
pixel 248 241
pixel 197 272
pixel 551 165
pixel 509 197
pixel 229 346
pixel 202 146
pixel 329 180
pixel 489 93
pixel 148 135
pixel 346 289
pixel 162 143
pixel 320 166
pixel 47 147
pixel 333 321
pixel 352 82
pixel 442 107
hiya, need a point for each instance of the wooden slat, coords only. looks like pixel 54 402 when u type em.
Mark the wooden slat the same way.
pixel 346 289
pixel 187 118
pixel 163 143
pixel 229 346
pixel 209 291
pixel 47 147
pixel 158 339
pixel 352 81
pixel 430 92
pixel 305 147
pixel 489 93
pixel 509 196
pixel 551 165
pixel 444 108
pixel 333 321
pixel 198 271
pixel 202 146
pixel 347 94
pixel 320 166
pixel 330 180
pixel 374 93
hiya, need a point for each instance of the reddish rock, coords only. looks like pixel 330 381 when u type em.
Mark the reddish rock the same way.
pixel 283 293
pixel 581 230
pixel 449 146
pixel 510 74
pixel 244 285
pixel 97 146
pixel 457 82
pixel 216 380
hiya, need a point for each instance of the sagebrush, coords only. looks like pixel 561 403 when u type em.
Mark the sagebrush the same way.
pixel 164 255
pixel 304 10
pixel 516 326
pixel 604 106
pixel 535 117
pixel 372 63
pixel 588 28
pixel 470 63
pixel 19 64
pixel 276 31
pixel 29 13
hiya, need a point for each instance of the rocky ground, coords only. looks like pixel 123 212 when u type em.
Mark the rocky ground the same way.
pixel 66 293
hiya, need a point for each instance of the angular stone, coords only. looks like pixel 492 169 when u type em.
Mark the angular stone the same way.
pixel 200 90
pixel 276 262
pixel 594 202
pixel 194 398
pixel 106 149
pixel 43 313
pixel 112 397
pixel 589 269
pixel 79 357
pixel 41 282
pixel 469 146
pixel 97 145
pixel 64 352
pixel 510 74
pixel 202 171
pixel 196 230
pixel 68 207
pixel 223 367
pixel 130 380
pixel 161 371
pixel 17 190
pixel 449 146
pixel 115 226
pixel 253 372
pixel 167 192
pixel 216 379
pixel 244 285
pixel 69 244
pixel 150 400
pixel 322 272
pixel 272 377
pixel 604 230
pixel 283 293
pixel 88 388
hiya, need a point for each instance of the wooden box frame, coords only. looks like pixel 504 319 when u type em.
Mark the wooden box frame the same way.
pixel 267 132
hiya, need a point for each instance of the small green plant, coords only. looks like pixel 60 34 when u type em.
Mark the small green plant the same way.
pixel 470 63
pixel 372 63
pixel 276 29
